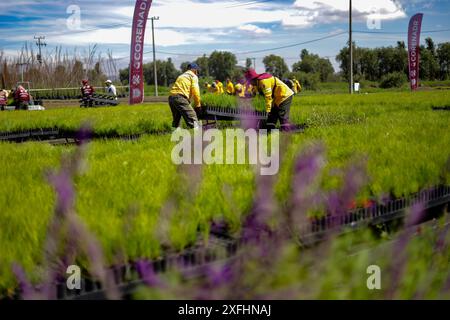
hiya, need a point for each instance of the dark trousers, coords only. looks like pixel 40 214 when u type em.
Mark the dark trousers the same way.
pixel 280 113
pixel 22 105
pixel 181 107
pixel 87 101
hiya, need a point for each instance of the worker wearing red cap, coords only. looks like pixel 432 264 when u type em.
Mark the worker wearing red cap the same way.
pixel 278 97
pixel 87 91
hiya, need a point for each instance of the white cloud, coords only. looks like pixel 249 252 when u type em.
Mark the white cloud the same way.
pixel 122 35
pixel 310 12
pixel 193 22
pixel 251 28
pixel 213 15
pixel 302 14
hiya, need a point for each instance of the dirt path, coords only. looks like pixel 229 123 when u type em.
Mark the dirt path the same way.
pixel 57 104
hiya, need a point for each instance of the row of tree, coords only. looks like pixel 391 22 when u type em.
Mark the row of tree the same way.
pixel 58 70
pixel 369 64
pixel 222 65
pixel 373 64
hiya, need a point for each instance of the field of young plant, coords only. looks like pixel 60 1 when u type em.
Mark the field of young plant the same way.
pixel 139 204
pixel 105 121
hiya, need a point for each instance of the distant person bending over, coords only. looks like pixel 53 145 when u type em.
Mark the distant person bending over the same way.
pixel 21 98
pixel 291 84
pixel 3 99
pixel 207 88
pixel 278 97
pixel 214 88
pixel 250 91
pixel 111 89
pixel 297 85
pixel 183 91
pixel 239 89
pixel 87 91
pixel 230 87
pixel 219 87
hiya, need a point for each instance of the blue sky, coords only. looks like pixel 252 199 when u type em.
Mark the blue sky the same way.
pixel 188 28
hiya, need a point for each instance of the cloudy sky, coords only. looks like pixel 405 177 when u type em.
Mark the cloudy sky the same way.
pixel 189 28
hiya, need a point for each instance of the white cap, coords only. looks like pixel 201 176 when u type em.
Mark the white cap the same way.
pixel 108 81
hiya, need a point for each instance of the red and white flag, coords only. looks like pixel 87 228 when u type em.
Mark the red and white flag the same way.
pixel 415 26
pixel 141 12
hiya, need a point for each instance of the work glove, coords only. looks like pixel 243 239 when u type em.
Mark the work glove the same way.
pixel 198 111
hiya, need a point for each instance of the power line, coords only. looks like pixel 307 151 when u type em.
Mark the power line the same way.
pixel 247 4
pixel 398 32
pixel 40 44
pixel 247 52
pixel 293 45
pixel 180 54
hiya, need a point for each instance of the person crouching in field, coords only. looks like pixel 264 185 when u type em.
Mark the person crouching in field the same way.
pixel 3 99
pixel 278 97
pixel 87 91
pixel 21 98
pixel 186 87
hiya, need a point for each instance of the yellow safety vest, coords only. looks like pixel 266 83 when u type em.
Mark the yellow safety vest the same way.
pixel 187 85
pixel 275 91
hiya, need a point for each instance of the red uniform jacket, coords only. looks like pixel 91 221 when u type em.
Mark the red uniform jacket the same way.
pixel 87 90
pixel 21 95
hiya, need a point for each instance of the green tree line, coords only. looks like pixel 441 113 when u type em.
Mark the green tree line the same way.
pixel 385 65
pixel 373 64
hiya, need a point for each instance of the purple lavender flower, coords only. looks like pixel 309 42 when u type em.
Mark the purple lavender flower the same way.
pixel 78 236
pixel 62 184
pixel 26 288
pixel 399 256
pixel 84 135
pixel 147 273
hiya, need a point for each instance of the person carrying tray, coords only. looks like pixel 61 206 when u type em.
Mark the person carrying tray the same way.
pixel 185 89
pixel 278 97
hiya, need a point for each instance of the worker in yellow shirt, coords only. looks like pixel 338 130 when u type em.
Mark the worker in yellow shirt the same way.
pixel 230 87
pixel 278 97
pixel 240 88
pixel 4 94
pixel 183 91
pixel 297 85
pixel 210 88
pixel 207 88
pixel 219 87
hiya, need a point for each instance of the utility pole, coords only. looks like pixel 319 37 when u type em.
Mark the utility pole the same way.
pixel 350 17
pixel 155 73
pixel 40 44
pixel 254 63
pixel 22 65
